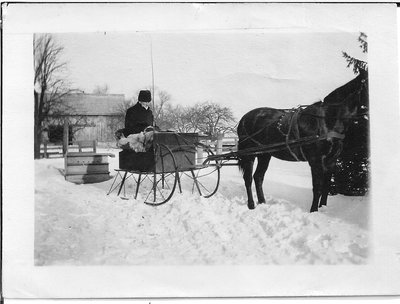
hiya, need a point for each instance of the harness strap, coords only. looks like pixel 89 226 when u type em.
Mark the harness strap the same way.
pixel 298 135
pixel 248 136
pixel 293 124
pixel 293 127
pixel 295 114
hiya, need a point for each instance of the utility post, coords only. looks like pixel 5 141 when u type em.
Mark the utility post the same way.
pixel 65 137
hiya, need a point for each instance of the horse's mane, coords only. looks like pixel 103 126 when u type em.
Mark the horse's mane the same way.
pixel 317 103
pixel 345 90
pixel 301 107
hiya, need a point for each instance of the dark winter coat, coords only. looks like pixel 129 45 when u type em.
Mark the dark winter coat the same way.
pixel 137 119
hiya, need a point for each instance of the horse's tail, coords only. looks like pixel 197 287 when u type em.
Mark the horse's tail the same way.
pixel 243 160
pixel 240 132
pixel 246 140
pixel 243 144
pixel 241 165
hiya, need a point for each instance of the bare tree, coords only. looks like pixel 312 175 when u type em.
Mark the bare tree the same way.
pixel 118 122
pixel 159 103
pixel 208 118
pixel 177 118
pixel 124 106
pixel 212 118
pixel 51 90
pixel 50 83
pixel 101 89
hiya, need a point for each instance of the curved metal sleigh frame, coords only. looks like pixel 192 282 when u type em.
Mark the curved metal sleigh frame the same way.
pixel 155 176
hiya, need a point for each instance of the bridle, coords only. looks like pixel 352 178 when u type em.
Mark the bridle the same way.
pixel 340 135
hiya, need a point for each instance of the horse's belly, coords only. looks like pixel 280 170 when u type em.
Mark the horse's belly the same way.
pixel 287 156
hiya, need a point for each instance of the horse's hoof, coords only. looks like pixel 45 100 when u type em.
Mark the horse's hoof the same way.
pixel 251 206
pixel 262 202
pixel 313 210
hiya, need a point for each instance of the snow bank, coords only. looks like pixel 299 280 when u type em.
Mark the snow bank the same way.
pixel 81 225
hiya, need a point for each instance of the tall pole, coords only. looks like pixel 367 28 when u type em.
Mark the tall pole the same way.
pixel 152 78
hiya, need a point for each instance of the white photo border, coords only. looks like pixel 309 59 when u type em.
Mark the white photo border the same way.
pixel 21 279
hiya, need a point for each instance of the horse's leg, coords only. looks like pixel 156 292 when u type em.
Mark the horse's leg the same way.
pixel 325 188
pixel 317 173
pixel 329 167
pixel 262 166
pixel 247 167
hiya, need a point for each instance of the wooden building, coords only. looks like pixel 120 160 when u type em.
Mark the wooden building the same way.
pixel 94 116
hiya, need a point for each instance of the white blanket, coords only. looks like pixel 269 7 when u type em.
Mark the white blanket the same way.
pixel 139 142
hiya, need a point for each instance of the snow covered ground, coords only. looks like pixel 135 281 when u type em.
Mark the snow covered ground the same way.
pixel 81 225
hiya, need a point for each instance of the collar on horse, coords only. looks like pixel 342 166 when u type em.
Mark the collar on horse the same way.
pixel 293 129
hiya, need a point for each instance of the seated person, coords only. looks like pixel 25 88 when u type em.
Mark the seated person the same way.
pixel 139 120
pixel 140 116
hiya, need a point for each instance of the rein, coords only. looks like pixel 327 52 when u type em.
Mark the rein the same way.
pixel 252 135
pixel 293 125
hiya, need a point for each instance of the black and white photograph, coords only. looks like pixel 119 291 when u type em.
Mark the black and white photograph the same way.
pixel 174 185
pixel 194 151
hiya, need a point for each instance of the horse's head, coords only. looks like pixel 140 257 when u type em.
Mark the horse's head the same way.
pixel 345 104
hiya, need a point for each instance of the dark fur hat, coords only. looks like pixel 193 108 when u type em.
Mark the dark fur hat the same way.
pixel 144 96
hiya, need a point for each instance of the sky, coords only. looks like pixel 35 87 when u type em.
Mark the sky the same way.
pixel 239 69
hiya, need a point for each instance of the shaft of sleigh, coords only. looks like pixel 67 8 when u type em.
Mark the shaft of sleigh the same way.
pixel 266 148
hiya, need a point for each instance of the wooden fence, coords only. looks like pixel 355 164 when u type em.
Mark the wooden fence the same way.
pixel 222 144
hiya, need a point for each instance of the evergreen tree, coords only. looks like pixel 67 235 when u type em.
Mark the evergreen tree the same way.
pixel 355 63
pixel 352 171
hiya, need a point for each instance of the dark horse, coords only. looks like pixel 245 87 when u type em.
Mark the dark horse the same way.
pixel 326 121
